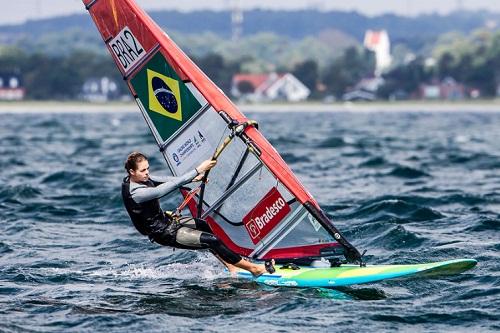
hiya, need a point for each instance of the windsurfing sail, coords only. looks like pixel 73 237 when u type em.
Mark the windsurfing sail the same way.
pixel 253 202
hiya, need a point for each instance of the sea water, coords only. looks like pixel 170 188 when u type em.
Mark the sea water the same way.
pixel 408 187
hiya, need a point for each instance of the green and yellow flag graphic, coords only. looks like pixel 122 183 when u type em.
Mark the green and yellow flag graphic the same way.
pixel 164 95
pixel 167 100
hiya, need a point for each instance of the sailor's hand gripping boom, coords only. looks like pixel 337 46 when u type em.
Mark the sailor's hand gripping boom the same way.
pixel 237 129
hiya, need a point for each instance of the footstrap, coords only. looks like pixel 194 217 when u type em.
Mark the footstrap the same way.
pixel 269 267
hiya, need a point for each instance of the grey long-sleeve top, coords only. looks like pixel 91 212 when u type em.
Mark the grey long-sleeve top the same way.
pixel 164 185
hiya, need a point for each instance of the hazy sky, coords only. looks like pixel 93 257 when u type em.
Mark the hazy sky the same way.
pixel 15 11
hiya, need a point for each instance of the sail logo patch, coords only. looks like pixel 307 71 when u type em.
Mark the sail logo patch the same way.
pixel 188 149
pixel 164 95
pixel 127 49
pixel 266 215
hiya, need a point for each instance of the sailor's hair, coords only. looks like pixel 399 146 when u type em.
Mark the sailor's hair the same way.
pixel 133 159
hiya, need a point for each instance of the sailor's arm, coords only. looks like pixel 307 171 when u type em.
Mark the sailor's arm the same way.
pixel 141 193
pixel 200 169
pixel 157 180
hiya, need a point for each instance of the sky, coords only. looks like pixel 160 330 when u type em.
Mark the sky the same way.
pixel 18 11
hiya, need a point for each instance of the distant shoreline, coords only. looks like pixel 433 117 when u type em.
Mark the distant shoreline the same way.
pixel 399 106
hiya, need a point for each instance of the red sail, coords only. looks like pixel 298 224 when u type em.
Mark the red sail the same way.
pixel 188 115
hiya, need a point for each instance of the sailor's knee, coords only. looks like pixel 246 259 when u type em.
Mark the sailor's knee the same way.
pixel 209 239
pixel 188 237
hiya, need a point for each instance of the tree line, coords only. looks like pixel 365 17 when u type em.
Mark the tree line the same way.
pixel 62 77
pixel 56 77
pixel 473 61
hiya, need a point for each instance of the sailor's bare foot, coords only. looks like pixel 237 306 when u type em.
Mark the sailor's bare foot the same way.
pixel 255 269
pixel 233 270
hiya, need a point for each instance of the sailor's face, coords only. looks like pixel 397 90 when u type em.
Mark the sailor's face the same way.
pixel 141 174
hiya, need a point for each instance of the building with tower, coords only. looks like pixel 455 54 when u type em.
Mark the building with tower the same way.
pixel 378 42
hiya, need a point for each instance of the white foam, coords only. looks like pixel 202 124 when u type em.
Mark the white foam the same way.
pixel 203 267
pixel 116 122
pixel 462 138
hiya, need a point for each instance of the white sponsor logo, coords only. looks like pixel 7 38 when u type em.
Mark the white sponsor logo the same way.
pixel 271 282
pixel 290 283
pixel 190 148
pixel 270 213
pixel 127 49
pixel 253 229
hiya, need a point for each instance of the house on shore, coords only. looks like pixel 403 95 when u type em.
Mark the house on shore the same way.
pixel 11 87
pixel 269 87
pixel 99 90
pixel 448 89
pixel 364 90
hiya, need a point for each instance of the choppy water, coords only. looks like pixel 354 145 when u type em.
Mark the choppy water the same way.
pixel 407 187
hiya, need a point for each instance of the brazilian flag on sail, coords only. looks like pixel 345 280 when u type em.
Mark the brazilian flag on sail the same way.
pixel 165 97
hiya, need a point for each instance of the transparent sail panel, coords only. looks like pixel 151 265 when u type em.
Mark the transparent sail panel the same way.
pixel 231 213
pixel 303 231
pixel 221 176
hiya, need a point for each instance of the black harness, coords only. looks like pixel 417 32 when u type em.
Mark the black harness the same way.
pixel 147 217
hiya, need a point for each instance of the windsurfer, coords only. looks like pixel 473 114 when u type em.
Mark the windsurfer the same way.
pixel 141 194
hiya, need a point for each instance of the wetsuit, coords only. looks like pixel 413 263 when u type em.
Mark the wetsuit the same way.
pixel 143 206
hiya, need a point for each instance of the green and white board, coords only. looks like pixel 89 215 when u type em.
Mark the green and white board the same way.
pixel 347 275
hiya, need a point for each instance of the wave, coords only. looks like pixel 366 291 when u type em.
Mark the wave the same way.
pixel 64 177
pixel 19 192
pixel 474 161
pixel 407 172
pixel 373 162
pixel 5 248
pixel 485 224
pixel 333 142
pixel 397 237
pixel 292 158
pixel 384 207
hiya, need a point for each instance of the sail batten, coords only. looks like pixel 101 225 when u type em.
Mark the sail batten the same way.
pixel 253 202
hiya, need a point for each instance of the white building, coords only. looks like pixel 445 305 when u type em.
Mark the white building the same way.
pixel 269 87
pixel 99 90
pixel 378 42
pixel 11 88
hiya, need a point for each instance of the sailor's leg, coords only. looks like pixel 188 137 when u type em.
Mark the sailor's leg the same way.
pixel 196 239
pixel 198 224
pixel 231 268
pixel 192 238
